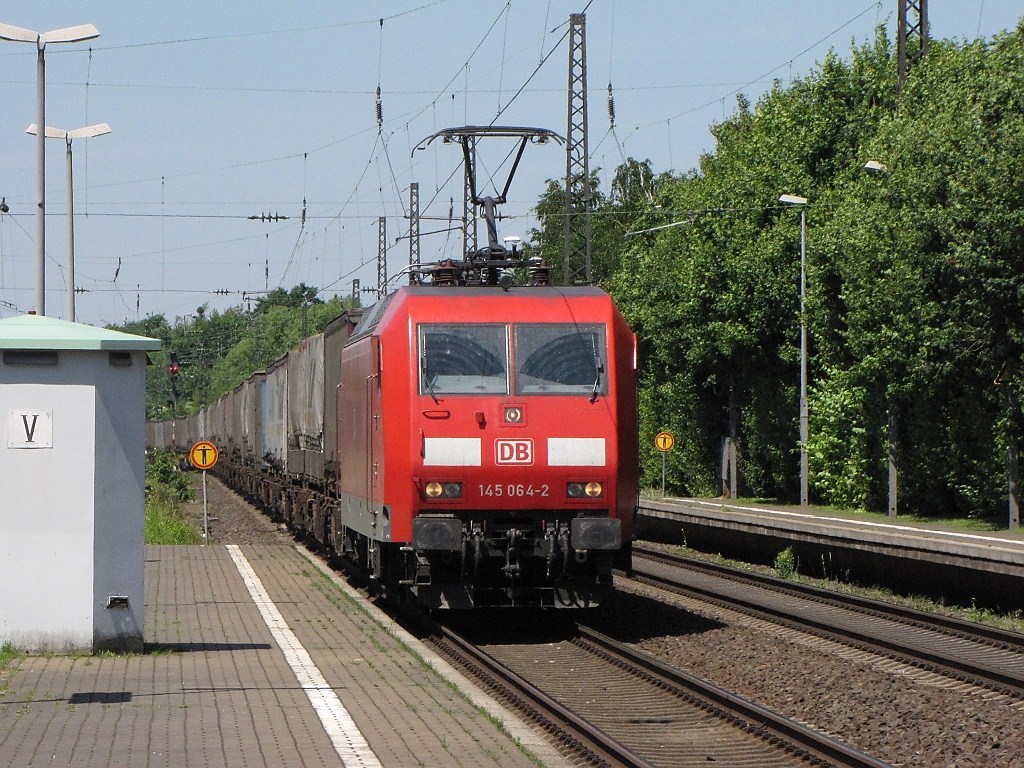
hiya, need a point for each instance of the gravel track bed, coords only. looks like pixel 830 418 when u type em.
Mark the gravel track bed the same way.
pixel 232 519
pixel 896 715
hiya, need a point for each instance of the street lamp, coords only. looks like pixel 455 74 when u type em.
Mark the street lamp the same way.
pixel 802 202
pixel 66 35
pixel 875 167
pixel 79 133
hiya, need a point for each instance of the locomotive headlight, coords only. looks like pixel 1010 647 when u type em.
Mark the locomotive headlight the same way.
pixel 580 490
pixel 436 490
pixel 513 415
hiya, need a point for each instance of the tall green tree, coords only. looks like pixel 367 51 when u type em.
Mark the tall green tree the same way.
pixel 634 186
pixel 930 259
pixel 915 293
pixel 714 295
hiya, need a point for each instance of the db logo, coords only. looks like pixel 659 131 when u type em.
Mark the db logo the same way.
pixel 513 451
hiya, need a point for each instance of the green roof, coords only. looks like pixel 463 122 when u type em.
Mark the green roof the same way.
pixel 39 332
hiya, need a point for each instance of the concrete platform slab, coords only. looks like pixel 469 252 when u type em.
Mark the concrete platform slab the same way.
pixel 215 687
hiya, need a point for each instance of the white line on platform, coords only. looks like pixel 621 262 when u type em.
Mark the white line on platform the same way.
pixel 348 741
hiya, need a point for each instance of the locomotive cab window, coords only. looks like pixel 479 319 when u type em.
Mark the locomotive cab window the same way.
pixel 463 359
pixel 561 359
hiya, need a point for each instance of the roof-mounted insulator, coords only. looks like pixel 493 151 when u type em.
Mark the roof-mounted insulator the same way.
pixel 539 272
pixel 445 274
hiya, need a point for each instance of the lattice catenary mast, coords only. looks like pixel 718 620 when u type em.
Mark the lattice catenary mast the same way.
pixel 911 37
pixel 414 231
pixel 468 195
pixel 577 165
pixel 382 257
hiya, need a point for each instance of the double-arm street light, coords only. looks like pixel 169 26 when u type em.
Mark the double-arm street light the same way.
pixel 66 35
pixel 802 202
pixel 69 136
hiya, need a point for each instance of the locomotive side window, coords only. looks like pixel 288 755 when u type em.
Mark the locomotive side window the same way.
pixel 561 359
pixel 463 359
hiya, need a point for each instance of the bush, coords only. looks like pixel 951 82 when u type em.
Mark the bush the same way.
pixel 167 488
pixel 162 472
pixel 786 564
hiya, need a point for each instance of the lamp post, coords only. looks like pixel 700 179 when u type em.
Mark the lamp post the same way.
pixel 802 202
pixel 65 35
pixel 69 136
pixel 876 167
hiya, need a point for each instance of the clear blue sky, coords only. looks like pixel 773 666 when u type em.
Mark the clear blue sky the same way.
pixel 225 110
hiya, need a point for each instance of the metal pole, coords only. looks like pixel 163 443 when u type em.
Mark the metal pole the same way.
pixel 1013 464
pixel 803 359
pixel 731 444
pixel 71 235
pixel 893 476
pixel 40 179
pixel 206 517
pixel 67 35
pixel 663 473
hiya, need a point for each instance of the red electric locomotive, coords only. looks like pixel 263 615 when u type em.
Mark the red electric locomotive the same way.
pixel 489 444
pixel 487 431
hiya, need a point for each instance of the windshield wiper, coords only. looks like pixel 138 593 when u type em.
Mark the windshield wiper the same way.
pixel 598 369
pixel 426 378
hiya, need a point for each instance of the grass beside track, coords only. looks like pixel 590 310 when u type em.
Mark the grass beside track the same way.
pixel 166 522
pixel 8 653
pixel 167 489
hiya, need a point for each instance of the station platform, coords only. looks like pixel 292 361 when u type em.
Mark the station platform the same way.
pixel 256 656
pixel 987 568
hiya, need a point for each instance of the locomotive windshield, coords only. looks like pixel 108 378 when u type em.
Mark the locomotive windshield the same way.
pixel 463 359
pixel 550 359
pixel 560 359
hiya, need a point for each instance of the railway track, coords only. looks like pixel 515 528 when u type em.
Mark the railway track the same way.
pixel 967 653
pixel 936 723
pixel 610 705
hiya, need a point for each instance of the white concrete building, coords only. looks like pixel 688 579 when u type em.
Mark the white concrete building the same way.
pixel 72 485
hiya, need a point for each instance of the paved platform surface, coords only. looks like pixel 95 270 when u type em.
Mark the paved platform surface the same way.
pixel 995 552
pixel 255 656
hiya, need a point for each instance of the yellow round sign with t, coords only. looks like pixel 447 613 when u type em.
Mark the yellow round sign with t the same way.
pixel 204 455
pixel 664 442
